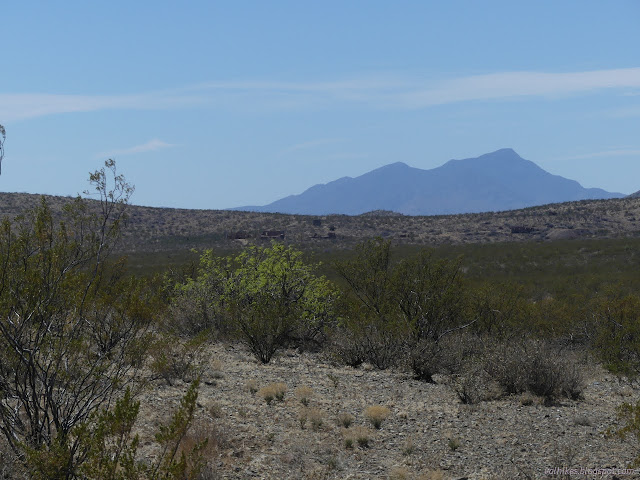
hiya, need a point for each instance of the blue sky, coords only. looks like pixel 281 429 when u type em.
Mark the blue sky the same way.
pixel 215 104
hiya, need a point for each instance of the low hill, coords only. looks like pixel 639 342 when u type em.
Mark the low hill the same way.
pixel 497 181
pixel 169 230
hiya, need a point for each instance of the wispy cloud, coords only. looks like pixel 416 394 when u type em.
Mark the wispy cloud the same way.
pixel 604 154
pixel 406 93
pixel 381 91
pixel 311 145
pixel 151 146
pixel 31 105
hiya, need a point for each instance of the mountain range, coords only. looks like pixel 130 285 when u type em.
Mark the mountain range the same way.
pixel 497 181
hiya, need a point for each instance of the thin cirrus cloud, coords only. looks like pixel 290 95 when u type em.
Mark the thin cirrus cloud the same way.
pixel 151 146
pixel 621 152
pixel 312 144
pixel 376 91
pixel 23 106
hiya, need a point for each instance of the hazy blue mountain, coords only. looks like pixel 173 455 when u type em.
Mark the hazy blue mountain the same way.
pixel 501 180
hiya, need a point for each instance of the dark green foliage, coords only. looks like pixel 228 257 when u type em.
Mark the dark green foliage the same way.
pixel 398 306
pixel 369 276
pixel 615 329
pixel 429 294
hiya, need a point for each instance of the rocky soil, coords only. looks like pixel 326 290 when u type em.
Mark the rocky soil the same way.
pixel 429 433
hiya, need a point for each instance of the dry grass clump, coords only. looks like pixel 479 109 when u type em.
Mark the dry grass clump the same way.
pixel 216 370
pixel 345 420
pixel 399 473
pixel 273 391
pixel 357 435
pixel 432 475
pixel 316 418
pixel 252 386
pixel 304 394
pixel 280 389
pixel 313 415
pixel 377 414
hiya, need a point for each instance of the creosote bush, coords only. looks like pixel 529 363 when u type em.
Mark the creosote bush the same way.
pixel 537 367
pixel 400 307
pixel 73 325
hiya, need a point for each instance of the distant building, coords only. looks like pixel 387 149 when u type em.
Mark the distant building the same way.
pixel 522 229
pixel 239 235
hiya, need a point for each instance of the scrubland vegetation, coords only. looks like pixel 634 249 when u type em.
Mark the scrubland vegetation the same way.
pixel 81 338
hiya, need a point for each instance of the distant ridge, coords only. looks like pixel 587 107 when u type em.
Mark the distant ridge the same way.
pixel 497 181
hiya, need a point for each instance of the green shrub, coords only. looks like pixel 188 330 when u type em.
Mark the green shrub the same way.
pixel 269 297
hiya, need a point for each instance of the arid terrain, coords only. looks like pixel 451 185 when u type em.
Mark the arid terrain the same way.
pixel 429 433
pixel 321 428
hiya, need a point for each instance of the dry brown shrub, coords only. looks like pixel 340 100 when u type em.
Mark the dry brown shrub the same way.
pixel 216 440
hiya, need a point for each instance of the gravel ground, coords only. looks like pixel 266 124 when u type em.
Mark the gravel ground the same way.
pixel 428 434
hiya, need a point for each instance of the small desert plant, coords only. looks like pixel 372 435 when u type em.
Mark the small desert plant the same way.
pixel 216 370
pixel 583 420
pixel 302 418
pixel 399 473
pixel 316 418
pixel 345 420
pixel 273 391
pixel 304 394
pixel 280 389
pixel 267 393
pixel 629 415
pixel 409 447
pixel 359 435
pixel 377 414
pixel 252 386
pixel 332 463
pixel 453 444
pixel 363 437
